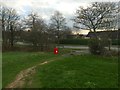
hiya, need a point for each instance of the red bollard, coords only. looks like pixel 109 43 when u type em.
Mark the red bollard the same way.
pixel 55 50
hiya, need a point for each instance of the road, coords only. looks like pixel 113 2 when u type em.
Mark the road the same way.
pixel 85 47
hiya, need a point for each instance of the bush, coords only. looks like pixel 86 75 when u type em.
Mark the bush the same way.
pixel 96 47
pixel 111 53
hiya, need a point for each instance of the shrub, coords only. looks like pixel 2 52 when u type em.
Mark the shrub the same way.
pixel 96 47
pixel 111 53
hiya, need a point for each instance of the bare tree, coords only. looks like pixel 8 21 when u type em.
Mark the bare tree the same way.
pixel 110 24
pixel 3 13
pixel 38 33
pixel 95 16
pixel 30 23
pixel 12 24
pixel 58 23
pixel 9 19
pixel 118 16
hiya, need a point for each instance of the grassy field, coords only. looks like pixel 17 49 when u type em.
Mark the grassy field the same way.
pixel 65 72
pixel 14 62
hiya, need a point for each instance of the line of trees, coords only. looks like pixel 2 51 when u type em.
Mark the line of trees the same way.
pixel 99 15
pixel 40 34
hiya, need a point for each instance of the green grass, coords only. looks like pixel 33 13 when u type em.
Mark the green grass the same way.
pixel 0 70
pixel 14 62
pixel 78 72
pixel 65 71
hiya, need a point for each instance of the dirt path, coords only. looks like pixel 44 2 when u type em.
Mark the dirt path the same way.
pixel 20 79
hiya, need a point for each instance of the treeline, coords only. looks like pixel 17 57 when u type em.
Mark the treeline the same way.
pixel 32 29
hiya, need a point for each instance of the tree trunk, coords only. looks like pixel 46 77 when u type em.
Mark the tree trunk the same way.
pixel 3 35
pixel 12 36
pixel 109 46
pixel 58 37
pixel 41 47
pixel 95 34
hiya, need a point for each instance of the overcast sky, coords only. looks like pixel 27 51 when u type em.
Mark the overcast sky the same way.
pixel 45 8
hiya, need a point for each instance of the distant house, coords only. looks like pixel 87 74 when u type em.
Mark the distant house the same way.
pixel 105 34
